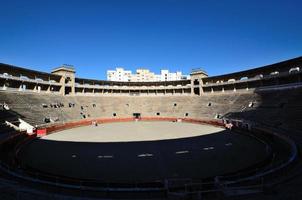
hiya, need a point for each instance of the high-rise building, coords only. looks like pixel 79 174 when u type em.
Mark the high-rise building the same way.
pixel 165 75
pixel 119 74
pixel 144 75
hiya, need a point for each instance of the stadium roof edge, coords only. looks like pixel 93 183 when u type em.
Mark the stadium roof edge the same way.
pixel 29 70
pixel 255 68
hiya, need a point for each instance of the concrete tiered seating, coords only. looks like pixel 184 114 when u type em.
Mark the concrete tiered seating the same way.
pixel 275 107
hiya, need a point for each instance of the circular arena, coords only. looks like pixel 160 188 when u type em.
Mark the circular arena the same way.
pixel 232 136
pixel 143 152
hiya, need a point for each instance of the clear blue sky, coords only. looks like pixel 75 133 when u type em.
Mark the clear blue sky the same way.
pixel 219 35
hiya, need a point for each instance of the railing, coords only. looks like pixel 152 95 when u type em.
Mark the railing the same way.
pixel 77 85
pixel 230 182
pixel 257 78
pixel 16 78
pixel 196 70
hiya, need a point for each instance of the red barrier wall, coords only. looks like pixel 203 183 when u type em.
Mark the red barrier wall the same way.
pixel 86 122
pixel 41 132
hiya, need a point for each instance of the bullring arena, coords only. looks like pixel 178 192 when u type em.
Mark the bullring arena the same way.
pixel 153 150
pixel 233 136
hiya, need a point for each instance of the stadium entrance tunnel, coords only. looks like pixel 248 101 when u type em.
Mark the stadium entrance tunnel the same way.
pixel 137 115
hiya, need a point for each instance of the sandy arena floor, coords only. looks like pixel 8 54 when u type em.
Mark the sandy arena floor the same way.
pixel 132 152
pixel 132 131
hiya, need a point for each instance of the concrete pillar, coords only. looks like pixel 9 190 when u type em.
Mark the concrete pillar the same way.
pixel 192 86
pixel 48 88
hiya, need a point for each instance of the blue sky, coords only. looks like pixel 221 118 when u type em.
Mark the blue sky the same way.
pixel 219 36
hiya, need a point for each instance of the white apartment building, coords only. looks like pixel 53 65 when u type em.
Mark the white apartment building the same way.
pixel 144 75
pixel 119 74
pixel 165 75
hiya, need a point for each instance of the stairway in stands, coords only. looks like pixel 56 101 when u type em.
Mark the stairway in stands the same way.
pixel 5 130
